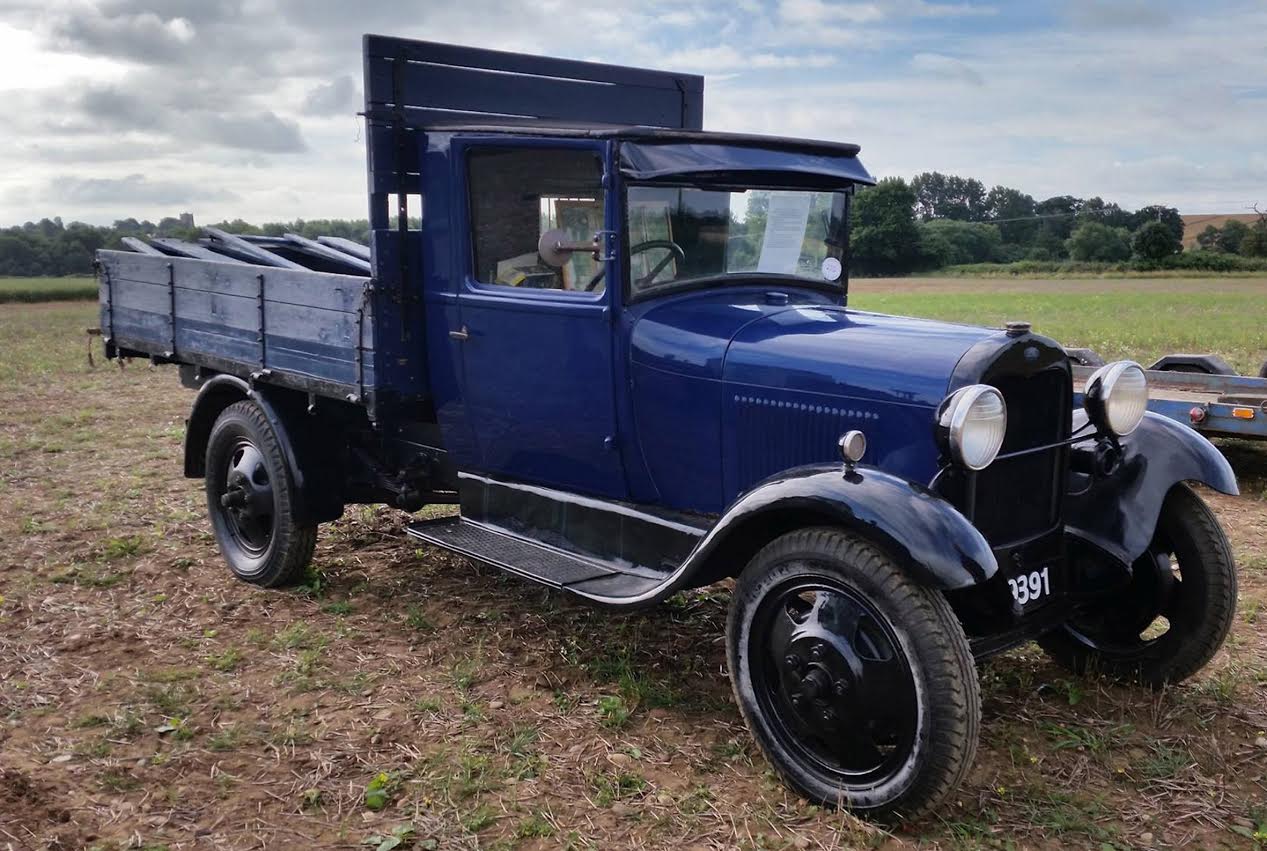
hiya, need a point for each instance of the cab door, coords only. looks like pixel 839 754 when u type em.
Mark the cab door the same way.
pixel 536 340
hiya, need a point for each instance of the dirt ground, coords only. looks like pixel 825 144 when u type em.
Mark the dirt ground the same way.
pixel 148 700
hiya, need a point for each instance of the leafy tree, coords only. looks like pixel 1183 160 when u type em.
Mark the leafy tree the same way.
pixel 1105 212
pixel 1095 242
pixel 1210 239
pixel 1254 244
pixel 885 238
pixel 1013 211
pixel 1154 241
pixel 948 196
pixel 946 242
pixel 1167 215
pixel 1056 226
pixel 1231 236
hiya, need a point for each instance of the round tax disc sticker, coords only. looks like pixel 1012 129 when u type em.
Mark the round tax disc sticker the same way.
pixel 831 268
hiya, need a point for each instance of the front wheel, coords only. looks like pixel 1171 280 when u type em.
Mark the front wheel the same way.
pixel 857 683
pixel 1174 615
pixel 250 497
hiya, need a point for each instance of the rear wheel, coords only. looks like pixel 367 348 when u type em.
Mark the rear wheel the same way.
pixel 857 683
pixel 1176 612
pixel 250 497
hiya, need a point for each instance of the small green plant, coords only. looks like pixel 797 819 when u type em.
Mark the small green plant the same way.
pixel 300 636
pixel 116 780
pixel 400 834
pixel 464 674
pixel 416 619
pixel 380 790
pixel 479 818
pixel 1096 741
pixel 117 548
pixel 179 728
pixel 226 660
pixel 225 739
pixel 428 704
pixel 612 711
pixel 337 607
pixel 534 826
pixel 310 799
pixel 1074 692
pixel 614 787
pixel 1165 761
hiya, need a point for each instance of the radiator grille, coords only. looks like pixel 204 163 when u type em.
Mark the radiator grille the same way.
pixel 1017 498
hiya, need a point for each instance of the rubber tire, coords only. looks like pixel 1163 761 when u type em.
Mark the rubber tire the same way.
pixel 932 639
pixel 1205 557
pixel 290 550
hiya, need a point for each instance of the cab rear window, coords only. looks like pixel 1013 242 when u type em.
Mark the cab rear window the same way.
pixel 517 195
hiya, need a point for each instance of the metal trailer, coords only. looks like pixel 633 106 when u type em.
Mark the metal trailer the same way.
pixel 1200 391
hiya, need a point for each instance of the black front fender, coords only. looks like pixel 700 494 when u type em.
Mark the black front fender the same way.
pixel 928 536
pixel 1118 513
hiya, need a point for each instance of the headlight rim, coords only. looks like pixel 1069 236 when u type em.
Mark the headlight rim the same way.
pixel 952 418
pixel 1098 391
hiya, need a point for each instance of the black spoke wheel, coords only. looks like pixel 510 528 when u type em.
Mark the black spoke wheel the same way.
pixel 834 680
pixel 250 497
pixel 857 683
pixel 1175 613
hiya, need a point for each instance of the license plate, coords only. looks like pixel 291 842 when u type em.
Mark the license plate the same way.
pixel 1029 589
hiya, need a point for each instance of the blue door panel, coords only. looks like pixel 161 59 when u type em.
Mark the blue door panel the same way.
pixel 536 378
pixel 538 388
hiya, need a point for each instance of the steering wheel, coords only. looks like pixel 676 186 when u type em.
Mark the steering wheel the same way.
pixel 675 251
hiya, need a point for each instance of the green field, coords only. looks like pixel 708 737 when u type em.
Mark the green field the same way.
pixel 1140 319
pixel 147 697
pixel 46 289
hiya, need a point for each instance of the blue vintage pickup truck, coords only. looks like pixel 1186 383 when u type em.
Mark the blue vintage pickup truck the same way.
pixel 622 346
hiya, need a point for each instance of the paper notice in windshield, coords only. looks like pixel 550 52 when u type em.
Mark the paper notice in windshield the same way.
pixel 784 232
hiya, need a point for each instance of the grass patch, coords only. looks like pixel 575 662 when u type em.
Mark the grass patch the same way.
pixel 30 290
pixel 609 788
pixel 1119 319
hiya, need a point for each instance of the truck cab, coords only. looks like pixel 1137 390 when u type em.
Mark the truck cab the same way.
pixel 622 346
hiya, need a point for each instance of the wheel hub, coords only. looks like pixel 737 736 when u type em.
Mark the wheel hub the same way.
pixel 839 681
pixel 248 499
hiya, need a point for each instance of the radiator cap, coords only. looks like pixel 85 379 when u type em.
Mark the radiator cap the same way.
pixel 1018 329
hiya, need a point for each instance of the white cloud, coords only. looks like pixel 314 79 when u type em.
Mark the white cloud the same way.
pixel 946 67
pixel 1105 100
pixel 723 58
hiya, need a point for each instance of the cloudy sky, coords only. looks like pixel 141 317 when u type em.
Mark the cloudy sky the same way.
pixel 247 108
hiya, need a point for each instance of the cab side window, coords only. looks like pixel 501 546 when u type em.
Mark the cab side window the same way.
pixel 518 194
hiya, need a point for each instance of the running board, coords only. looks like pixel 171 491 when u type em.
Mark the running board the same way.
pixel 591 578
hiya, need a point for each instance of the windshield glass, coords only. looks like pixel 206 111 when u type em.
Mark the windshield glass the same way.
pixel 677 234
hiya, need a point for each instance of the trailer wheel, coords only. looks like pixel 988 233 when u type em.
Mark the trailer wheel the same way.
pixel 250 497
pixel 857 683
pixel 1176 612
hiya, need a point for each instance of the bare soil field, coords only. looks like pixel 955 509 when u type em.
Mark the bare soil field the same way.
pixel 148 700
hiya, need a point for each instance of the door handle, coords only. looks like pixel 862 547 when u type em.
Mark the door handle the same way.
pixel 460 334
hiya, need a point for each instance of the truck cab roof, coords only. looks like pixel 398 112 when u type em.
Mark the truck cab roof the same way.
pixel 666 154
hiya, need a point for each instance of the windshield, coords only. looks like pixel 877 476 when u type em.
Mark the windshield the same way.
pixel 677 234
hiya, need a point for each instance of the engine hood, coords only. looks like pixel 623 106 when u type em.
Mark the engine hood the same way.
pixel 826 349
pixel 774 378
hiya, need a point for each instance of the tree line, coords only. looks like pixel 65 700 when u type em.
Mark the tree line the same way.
pixel 930 222
pixel 49 248
pixel 937 220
